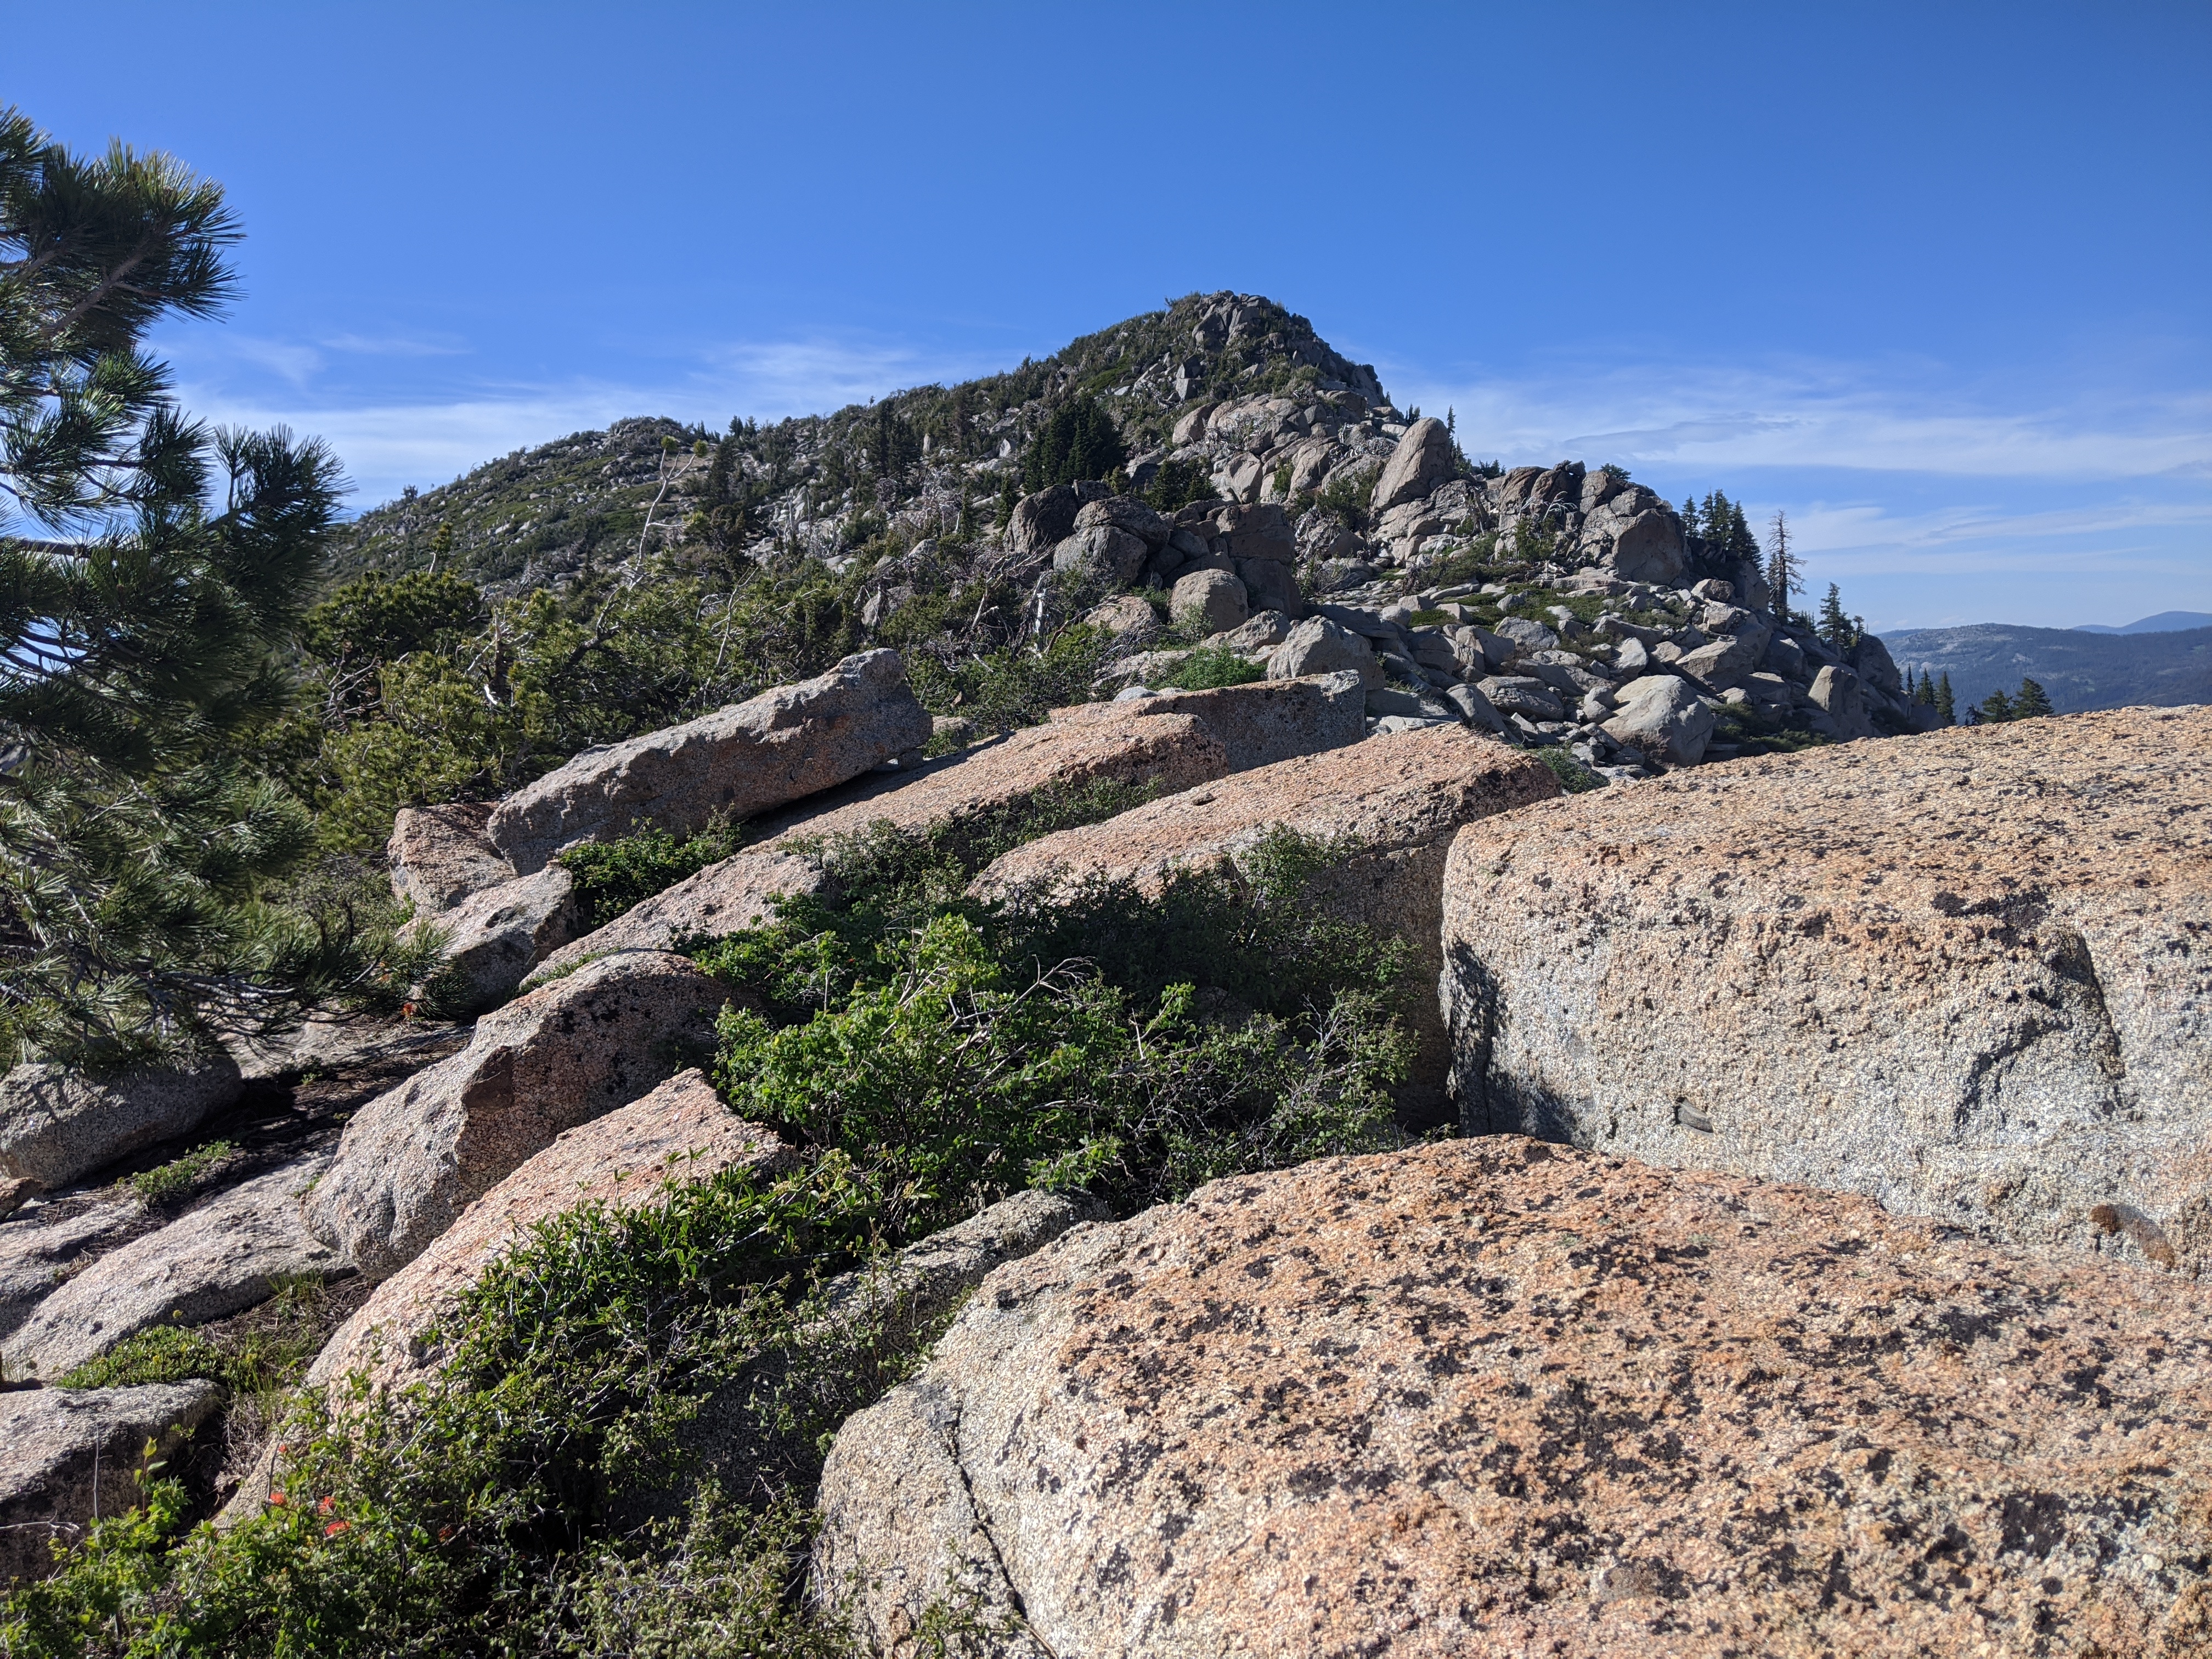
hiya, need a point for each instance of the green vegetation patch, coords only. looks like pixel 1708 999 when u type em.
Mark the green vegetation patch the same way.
pixel 172 1183
pixel 1128 1045
pixel 1211 666
pixel 175 1353
pixel 1574 777
pixel 614 877
pixel 1002 690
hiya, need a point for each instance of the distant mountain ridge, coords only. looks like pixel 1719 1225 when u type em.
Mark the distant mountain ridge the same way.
pixel 2167 622
pixel 2079 668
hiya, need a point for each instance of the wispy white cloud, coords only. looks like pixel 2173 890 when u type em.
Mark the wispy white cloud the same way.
pixel 425 441
pixel 386 446
pixel 813 376
pixel 395 345
pixel 1883 418
pixel 294 363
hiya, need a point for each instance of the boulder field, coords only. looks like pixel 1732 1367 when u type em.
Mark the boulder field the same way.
pixel 1968 974
pixel 1491 1396
pixel 1611 1389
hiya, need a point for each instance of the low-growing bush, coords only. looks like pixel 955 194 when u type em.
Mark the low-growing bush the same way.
pixel 174 1353
pixel 1016 687
pixel 1478 562
pixel 1574 777
pixel 172 1183
pixel 1211 666
pixel 953 1075
pixel 616 876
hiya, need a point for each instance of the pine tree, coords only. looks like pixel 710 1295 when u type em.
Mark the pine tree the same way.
pixel 1713 518
pixel 1945 705
pixel 1924 691
pixel 1995 710
pixel 2032 703
pixel 1834 626
pixel 1079 441
pixel 153 569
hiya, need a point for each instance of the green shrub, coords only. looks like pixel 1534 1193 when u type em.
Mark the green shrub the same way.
pixel 1574 777
pixel 456 1518
pixel 178 1179
pixel 1262 932
pixel 1005 690
pixel 166 1354
pixel 175 1353
pixel 965 1075
pixel 616 876
pixel 727 1583
pixel 1211 666
pixel 1347 496
pixel 1478 562
pixel 889 881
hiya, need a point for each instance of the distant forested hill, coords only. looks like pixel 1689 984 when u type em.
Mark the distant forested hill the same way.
pixel 2079 669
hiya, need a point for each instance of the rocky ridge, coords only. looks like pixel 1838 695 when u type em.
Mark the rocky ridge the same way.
pixel 1559 604
pixel 1575 1345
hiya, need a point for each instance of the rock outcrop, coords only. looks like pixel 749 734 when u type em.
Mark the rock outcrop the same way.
pixel 1969 974
pixel 227 1256
pixel 1663 717
pixel 1256 725
pixel 440 855
pixel 1211 599
pixel 496 935
pixel 68 1457
pixel 42 1246
pixel 1319 646
pixel 679 1131
pixel 1423 460
pixel 736 763
pixel 1490 1396
pixel 411 1161
pixel 1392 804
pixel 1167 742
pixel 57 1123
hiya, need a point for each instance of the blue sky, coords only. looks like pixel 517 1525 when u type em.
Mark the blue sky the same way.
pixel 1933 278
